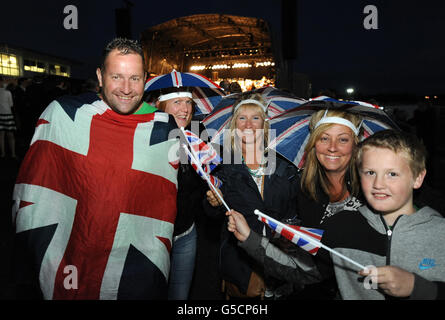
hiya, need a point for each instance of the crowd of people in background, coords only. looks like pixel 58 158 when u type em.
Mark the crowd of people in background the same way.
pixel 30 96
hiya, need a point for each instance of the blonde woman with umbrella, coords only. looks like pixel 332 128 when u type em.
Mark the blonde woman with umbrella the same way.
pixel 253 177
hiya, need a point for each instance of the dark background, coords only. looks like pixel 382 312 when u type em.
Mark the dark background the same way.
pixel 404 55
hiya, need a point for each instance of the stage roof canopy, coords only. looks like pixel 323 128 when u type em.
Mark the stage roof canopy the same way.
pixel 206 39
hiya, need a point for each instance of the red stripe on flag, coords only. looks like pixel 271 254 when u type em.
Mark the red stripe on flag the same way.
pixel 287 234
pixel 175 164
pixel 312 235
pixel 24 204
pixel 166 242
pixel 41 121
pixel 313 251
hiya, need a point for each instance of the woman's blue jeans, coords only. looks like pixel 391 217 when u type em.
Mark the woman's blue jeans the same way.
pixel 182 265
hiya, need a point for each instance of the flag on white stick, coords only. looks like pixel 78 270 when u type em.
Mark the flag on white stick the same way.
pixel 205 175
pixel 205 154
pixel 294 236
pixel 299 234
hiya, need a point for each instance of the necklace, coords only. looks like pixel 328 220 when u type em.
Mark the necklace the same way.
pixel 257 176
pixel 255 172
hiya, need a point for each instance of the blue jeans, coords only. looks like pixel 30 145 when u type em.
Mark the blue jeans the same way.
pixel 182 265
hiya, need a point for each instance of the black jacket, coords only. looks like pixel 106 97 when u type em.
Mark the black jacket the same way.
pixel 241 194
pixel 191 191
pixel 310 214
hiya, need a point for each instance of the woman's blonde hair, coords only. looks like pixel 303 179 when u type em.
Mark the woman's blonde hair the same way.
pixel 236 111
pixel 313 173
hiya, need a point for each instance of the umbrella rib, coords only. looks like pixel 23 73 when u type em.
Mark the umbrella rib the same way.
pixel 285 133
pixel 217 113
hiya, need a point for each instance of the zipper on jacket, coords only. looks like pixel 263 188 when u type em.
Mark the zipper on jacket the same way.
pixel 389 234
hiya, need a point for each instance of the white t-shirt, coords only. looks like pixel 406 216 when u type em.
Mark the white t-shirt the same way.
pixel 5 101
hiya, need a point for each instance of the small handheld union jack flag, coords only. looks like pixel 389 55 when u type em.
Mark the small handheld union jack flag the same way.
pixel 299 234
pixel 205 154
pixel 295 237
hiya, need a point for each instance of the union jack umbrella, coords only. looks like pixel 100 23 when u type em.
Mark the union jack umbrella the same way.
pixel 277 101
pixel 291 128
pixel 206 94
pixel 179 79
pixel 206 99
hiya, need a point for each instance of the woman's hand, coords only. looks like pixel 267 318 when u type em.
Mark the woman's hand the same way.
pixel 238 225
pixel 213 199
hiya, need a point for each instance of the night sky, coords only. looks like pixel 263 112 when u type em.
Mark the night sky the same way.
pixel 404 55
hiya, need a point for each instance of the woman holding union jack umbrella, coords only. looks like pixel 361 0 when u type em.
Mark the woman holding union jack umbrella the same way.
pixel 184 95
pixel 252 177
pixel 178 102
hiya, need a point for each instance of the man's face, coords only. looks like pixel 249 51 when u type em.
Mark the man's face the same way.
pixel 122 82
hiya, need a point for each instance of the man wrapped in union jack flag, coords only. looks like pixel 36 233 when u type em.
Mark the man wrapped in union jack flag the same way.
pixel 95 198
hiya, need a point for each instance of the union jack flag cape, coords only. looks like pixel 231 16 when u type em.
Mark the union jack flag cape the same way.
pixel 205 154
pixel 95 202
pixel 296 238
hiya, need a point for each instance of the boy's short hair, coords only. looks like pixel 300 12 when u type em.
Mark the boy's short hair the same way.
pixel 411 147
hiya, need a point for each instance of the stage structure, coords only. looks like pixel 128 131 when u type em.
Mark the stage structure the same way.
pixel 218 46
